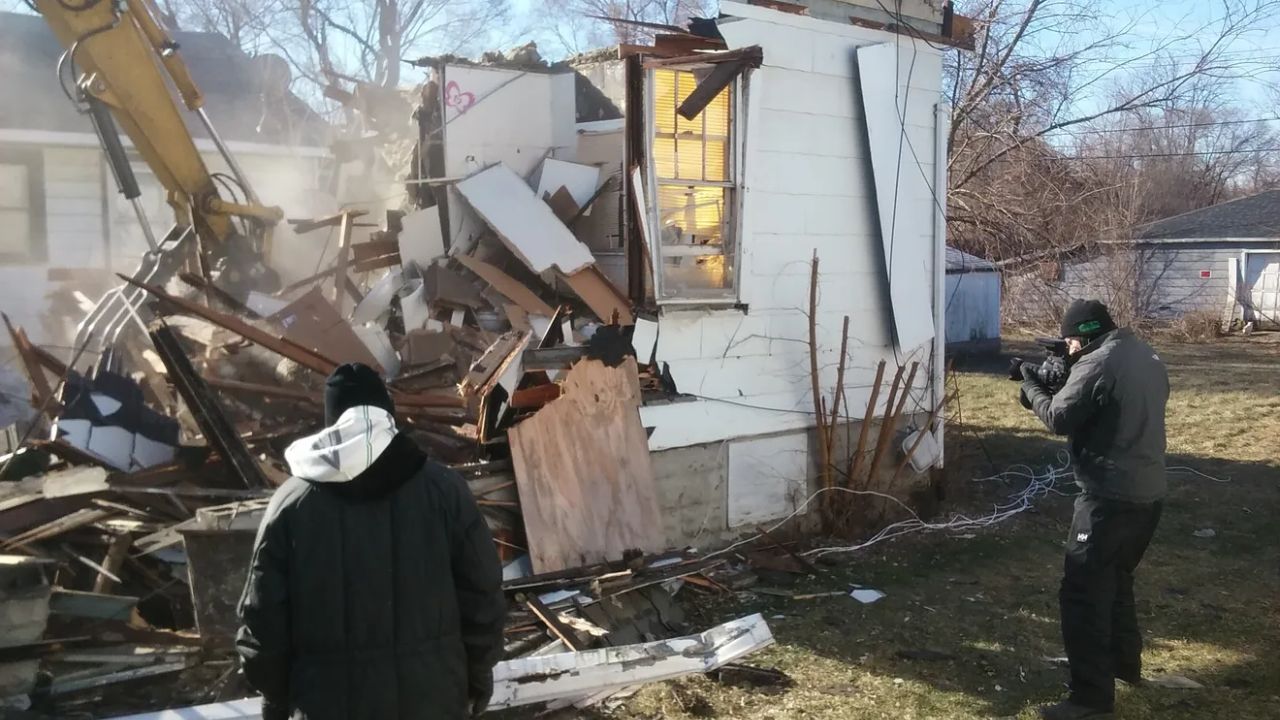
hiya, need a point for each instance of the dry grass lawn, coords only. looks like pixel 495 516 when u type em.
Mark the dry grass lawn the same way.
pixel 969 621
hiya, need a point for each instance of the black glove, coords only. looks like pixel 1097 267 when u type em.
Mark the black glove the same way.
pixel 1031 372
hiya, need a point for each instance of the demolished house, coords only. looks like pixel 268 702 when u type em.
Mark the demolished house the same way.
pixel 635 301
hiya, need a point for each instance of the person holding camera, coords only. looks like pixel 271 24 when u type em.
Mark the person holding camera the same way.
pixel 1112 409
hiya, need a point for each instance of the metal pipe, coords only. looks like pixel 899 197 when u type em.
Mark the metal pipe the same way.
pixel 942 120
pixel 226 155
pixel 141 212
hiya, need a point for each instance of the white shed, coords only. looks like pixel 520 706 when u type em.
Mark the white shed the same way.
pixel 973 304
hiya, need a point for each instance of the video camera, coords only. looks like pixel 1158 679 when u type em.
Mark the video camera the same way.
pixel 1054 367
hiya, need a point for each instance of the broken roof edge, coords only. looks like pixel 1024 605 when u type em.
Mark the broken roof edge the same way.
pixel 731 11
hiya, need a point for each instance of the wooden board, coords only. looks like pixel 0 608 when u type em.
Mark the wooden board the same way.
pixel 509 287
pixel 601 296
pixel 583 470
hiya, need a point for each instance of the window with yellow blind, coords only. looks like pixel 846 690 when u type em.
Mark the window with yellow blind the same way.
pixel 693 166
pixel 21 205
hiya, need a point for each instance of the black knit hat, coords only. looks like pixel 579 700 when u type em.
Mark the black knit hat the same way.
pixel 353 385
pixel 1086 319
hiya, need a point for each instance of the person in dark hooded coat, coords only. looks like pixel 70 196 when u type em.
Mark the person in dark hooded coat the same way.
pixel 375 590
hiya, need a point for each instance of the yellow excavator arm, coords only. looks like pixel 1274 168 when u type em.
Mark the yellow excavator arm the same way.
pixel 126 69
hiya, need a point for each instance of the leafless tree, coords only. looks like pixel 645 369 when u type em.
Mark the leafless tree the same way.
pixel 1043 70
pixel 587 24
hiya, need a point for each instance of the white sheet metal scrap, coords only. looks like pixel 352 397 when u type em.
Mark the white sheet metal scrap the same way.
pixel 570 676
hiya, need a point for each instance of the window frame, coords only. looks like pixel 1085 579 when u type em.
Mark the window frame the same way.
pixel 729 297
pixel 32 158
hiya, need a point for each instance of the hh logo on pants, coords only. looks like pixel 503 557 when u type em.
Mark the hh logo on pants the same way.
pixel 1082 537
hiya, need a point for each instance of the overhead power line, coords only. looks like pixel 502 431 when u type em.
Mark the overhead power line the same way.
pixel 1164 155
pixel 1092 131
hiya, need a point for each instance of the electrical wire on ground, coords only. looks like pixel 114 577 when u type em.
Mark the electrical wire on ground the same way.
pixel 1052 480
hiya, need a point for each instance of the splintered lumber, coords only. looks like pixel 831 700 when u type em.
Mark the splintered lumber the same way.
pixel 27 354
pixel 582 465
pixel 218 430
pixel 528 680
pixel 510 288
pixel 309 359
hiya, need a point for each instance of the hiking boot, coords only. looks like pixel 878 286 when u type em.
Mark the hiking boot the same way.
pixel 1067 710
pixel 1131 676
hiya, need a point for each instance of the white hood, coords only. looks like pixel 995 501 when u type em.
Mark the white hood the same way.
pixel 345 449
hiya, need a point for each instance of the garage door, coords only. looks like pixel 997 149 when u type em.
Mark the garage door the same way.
pixel 1262 283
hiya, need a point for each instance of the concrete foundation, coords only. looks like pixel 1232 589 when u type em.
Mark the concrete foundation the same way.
pixel 715 493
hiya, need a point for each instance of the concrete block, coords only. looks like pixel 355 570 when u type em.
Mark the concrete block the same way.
pixel 692 492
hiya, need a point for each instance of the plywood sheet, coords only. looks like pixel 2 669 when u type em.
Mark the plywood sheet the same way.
pixel 582 466
pixel 525 223
pixel 899 186
pixel 766 477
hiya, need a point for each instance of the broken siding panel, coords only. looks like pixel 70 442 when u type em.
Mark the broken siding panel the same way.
pixel 732 378
pixel 907 260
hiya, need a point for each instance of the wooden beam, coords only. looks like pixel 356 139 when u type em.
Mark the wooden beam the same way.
pixel 305 357
pixel 344 250
pixel 44 397
pixel 552 621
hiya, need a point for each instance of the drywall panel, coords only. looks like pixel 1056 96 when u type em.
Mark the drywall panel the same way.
pixel 580 180
pixel 496 115
pixel 766 477
pixel 895 175
pixel 525 224
pixel 421 240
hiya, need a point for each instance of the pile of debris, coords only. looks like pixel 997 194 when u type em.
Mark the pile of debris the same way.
pixel 128 513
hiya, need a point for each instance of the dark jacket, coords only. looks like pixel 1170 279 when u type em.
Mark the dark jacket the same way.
pixel 377 596
pixel 1112 408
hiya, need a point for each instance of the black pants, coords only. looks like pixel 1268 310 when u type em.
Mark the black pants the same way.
pixel 1099 618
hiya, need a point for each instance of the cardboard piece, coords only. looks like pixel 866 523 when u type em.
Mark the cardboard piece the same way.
pixel 312 322
pixel 562 204
pixel 580 181
pixel 423 347
pixel 605 300
pixel 446 287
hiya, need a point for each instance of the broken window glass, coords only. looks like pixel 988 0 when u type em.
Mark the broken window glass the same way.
pixel 693 167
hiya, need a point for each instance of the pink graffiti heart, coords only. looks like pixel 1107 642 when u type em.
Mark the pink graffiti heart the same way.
pixel 455 98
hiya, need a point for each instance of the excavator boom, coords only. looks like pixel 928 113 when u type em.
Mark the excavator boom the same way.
pixel 122 58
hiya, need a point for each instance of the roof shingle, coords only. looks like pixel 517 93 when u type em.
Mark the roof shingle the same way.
pixel 1256 216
